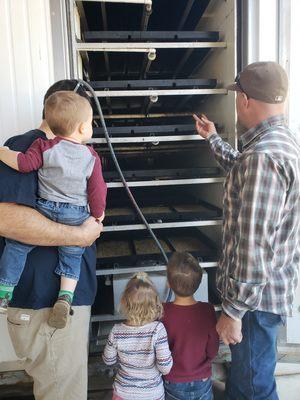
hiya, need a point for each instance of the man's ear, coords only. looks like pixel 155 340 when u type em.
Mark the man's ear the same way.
pixel 245 100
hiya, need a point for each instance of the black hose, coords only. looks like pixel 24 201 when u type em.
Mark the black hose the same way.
pixel 115 160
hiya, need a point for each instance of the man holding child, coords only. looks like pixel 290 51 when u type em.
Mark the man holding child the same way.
pixel 56 359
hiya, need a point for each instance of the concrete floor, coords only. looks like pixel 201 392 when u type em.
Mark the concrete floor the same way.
pixel 17 386
pixel 288 380
pixel 288 389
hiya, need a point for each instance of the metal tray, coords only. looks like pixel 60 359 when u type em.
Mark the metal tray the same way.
pixel 141 251
pixel 158 36
pixel 164 212
pixel 112 176
pixel 155 84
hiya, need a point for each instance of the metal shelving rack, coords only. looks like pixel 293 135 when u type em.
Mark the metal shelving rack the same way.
pixel 132 131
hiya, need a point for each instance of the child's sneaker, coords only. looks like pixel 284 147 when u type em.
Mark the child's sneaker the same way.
pixel 60 312
pixel 4 303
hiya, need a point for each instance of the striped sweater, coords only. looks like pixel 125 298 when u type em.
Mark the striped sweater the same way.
pixel 143 355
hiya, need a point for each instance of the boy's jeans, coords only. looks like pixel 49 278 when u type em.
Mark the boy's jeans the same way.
pixel 14 256
pixel 197 390
pixel 254 359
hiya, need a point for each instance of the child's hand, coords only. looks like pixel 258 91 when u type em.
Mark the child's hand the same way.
pixel 204 127
pixel 100 219
pixel 3 150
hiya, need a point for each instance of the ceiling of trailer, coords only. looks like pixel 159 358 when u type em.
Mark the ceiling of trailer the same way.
pixel 126 22
pixel 166 16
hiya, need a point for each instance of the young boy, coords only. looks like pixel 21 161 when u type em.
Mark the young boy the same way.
pixel 70 179
pixel 192 335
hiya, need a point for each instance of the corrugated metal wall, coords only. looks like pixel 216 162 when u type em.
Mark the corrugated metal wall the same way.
pixel 26 67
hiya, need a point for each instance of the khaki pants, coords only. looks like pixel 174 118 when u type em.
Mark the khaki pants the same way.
pixel 56 359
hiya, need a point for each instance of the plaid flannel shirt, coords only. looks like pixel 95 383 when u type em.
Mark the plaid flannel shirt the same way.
pixel 258 269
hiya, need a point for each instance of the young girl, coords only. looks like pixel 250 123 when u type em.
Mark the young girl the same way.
pixel 139 345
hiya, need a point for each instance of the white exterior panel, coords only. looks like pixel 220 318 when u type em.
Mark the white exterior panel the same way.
pixel 26 68
pixel 26 71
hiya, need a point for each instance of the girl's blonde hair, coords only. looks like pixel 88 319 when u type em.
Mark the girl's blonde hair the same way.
pixel 140 302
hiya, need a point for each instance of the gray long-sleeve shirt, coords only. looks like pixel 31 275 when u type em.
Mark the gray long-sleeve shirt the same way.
pixel 68 172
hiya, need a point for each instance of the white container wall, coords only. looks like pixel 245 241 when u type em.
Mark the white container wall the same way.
pixel 26 68
pixel 160 282
pixel 26 71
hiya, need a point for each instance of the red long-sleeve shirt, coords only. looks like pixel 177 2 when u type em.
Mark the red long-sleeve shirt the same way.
pixel 193 340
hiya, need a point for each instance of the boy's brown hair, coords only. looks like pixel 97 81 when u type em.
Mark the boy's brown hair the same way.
pixel 65 110
pixel 184 274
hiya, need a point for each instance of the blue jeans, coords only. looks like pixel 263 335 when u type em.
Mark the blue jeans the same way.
pixel 14 256
pixel 197 390
pixel 253 363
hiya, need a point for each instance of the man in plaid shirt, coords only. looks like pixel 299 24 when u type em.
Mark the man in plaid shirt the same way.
pixel 258 271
